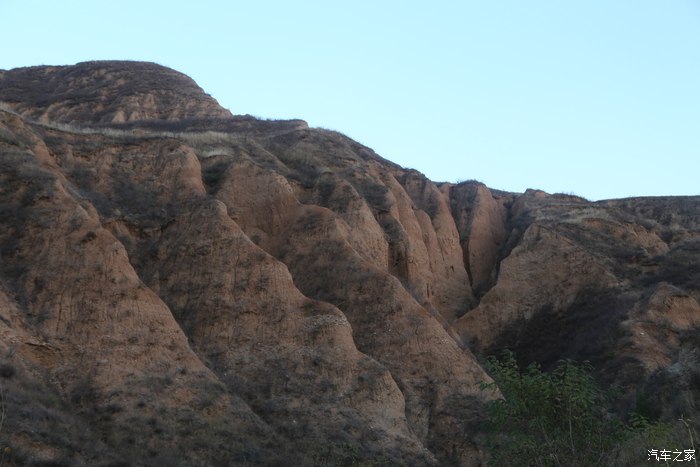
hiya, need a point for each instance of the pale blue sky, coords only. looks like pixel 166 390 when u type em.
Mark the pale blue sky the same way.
pixel 596 97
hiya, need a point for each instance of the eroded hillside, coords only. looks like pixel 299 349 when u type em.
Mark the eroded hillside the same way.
pixel 182 286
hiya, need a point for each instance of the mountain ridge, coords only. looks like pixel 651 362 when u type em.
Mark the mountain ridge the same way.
pixel 165 273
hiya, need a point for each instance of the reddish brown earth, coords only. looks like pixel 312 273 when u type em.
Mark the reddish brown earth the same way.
pixel 180 286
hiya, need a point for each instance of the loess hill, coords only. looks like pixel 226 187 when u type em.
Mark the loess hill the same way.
pixel 181 286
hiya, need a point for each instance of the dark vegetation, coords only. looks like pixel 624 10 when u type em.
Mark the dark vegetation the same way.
pixel 85 429
pixel 375 194
pixel 20 177
pixel 679 266
pixel 8 137
pixel 33 414
pixel 213 170
pixel 586 329
pixel 347 455
pixel 564 418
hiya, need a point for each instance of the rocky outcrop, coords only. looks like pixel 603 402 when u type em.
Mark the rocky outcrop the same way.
pixel 196 288
pixel 482 220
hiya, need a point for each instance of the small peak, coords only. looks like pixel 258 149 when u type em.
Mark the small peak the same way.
pixel 104 92
pixel 536 193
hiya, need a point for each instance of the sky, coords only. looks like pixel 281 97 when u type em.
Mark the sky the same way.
pixel 598 98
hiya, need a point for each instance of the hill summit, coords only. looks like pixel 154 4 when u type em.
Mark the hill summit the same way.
pixel 105 92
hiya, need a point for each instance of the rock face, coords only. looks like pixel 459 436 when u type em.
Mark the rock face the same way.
pixel 182 286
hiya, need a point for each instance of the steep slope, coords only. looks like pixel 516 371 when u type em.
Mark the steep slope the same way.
pixel 614 282
pixel 171 204
pixel 192 287
pixel 481 217
pixel 79 318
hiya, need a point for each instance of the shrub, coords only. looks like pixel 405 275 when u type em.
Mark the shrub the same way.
pixel 347 455
pixel 560 418
pixel 7 370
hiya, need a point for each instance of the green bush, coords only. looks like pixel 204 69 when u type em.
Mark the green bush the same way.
pixel 560 418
